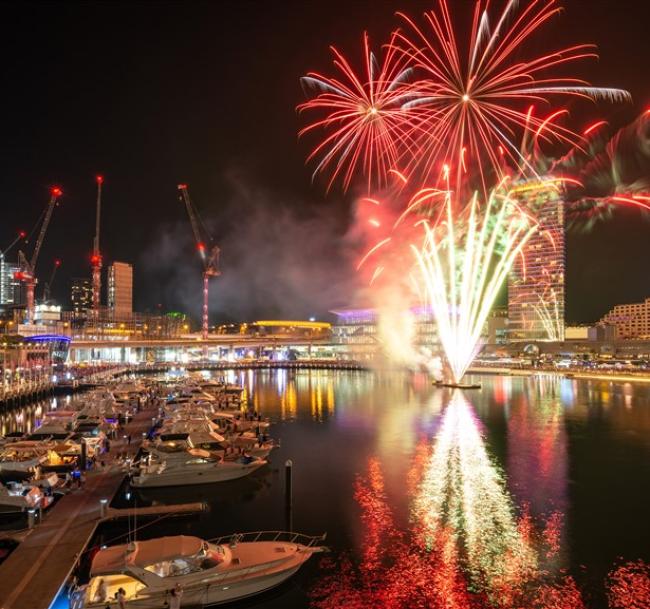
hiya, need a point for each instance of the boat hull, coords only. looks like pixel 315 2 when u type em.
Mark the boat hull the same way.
pixel 209 594
pixel 183 478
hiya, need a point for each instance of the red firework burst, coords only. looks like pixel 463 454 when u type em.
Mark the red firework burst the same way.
pixel 362 116
pixel 472 102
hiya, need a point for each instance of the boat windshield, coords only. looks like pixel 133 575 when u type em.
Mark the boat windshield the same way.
pixel 199 460
pixel 204 559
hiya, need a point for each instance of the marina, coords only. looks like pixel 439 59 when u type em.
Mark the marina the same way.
pixel 384 426
pixel 332 305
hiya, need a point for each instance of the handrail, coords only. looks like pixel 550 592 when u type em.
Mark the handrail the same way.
pixel 77 593
pixel 253 536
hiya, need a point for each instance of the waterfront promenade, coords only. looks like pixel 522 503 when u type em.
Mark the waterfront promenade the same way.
pixel 614 376
pixel 33 574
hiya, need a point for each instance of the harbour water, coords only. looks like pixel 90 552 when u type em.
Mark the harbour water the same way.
pixel 530 490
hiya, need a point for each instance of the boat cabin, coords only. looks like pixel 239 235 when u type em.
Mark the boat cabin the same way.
pixel 141 565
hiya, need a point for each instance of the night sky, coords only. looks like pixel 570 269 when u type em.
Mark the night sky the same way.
pixel 153 94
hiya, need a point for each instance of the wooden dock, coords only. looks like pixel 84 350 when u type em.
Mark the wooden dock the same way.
pixel 36 570
pixel 155 510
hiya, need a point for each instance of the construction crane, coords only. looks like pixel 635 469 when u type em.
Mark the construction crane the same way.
pixel 209 256
pixel 48 284
pixel 27 267
pixel 96 258
pixel 21 235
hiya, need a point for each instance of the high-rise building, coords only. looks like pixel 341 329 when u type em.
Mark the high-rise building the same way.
pixel 81 295
pixel 11 292
pixel 629 320
pixel 120 287
pixel 536 281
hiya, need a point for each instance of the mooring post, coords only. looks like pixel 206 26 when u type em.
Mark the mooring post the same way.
pixel 83 457
pixel 288 499
pixel 31 518
pixel 103 504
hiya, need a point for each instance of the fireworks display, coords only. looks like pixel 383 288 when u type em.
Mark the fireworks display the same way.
pixel 463 267
pixel 439 112
pixel 474 100
pixel 362 115
pixel 436 100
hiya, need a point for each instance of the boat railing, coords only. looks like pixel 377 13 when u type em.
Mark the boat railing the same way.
pixel 284 536
pixel 77 597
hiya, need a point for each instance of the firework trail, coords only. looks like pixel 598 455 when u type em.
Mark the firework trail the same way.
pixel 437 107
pixel 433 100
pixel 463 265
pixel 362 117
pixel 614 174
pixel 473 103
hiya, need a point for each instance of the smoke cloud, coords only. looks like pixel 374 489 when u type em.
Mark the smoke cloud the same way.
pixel 279 259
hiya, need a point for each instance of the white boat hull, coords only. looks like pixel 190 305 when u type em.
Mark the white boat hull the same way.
pixel 208 594
pixel 182 477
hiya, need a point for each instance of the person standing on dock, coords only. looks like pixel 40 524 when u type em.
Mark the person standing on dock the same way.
pixel 76 476
pixel 102 591
pixel 120 596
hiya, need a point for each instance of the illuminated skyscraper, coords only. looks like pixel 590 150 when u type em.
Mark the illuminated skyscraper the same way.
pixel 81 295
pixel 120 287
pixel 11 292
pixel 536 282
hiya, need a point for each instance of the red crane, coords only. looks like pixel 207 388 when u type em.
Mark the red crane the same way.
pixel 209 258
pixel 27 267
pixel 96 258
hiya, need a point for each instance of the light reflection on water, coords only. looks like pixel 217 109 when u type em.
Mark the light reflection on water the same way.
pixel 526 493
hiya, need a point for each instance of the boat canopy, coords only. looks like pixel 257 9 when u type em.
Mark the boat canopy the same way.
pixel 203 437
pixel 199 452
pixel 144 553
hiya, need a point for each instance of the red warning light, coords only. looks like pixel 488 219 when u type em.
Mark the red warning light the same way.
pixel 56 191
pixel 95 259
pixel 57 263
pixel 19 275
pixel 200 247
pixel 22 234
pixel 182 186
pixel 100 179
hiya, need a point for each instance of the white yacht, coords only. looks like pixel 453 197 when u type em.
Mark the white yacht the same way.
pixel 49 431
pixel 208 573
pixel 22 457
pixel 226 422
pixel 199 467
pixel 175 446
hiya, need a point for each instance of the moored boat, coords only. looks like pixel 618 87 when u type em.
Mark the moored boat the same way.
pixel 207 573
pixel 200 467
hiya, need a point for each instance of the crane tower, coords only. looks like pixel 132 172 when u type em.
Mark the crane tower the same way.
pixel 209 256
pixel 28 267
pixel 96 258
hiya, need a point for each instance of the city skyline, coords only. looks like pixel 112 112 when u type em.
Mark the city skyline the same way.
pixel 180 123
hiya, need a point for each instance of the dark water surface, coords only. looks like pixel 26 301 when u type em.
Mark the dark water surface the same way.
pixel 532 491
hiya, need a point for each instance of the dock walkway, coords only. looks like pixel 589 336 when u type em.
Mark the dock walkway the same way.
pixel 33 574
